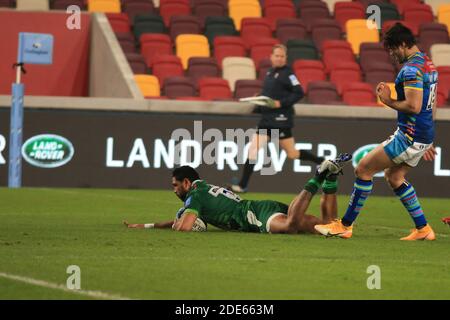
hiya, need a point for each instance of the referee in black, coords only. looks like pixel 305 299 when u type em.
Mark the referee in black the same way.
pixel 283 87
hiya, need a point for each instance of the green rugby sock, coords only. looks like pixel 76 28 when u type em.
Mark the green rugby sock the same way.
pixel 313 184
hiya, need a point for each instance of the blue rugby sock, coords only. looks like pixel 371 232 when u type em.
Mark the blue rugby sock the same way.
pixel 361 190
pixel 407 195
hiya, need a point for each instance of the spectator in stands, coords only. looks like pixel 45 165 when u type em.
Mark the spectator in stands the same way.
pixel 281 85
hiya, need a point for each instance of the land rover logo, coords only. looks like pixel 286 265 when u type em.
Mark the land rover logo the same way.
pixel 361 153
pixel 47 151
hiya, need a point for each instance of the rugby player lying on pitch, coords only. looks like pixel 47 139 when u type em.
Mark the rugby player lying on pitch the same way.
pixel 225 210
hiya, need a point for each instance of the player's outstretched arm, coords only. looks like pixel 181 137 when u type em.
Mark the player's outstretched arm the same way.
pixel 185 222
pixel 157 225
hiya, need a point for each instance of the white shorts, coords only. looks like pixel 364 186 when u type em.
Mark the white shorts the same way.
pixel 401 150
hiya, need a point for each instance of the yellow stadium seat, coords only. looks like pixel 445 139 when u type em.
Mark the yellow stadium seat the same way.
pixel 32 5
pixel 191 45
pixel 444 15
pixel 440 54
pixel 237 68
pixel 393 94
pixel 358 31
pixel 240 9
pixel 148 84
pixel 109 6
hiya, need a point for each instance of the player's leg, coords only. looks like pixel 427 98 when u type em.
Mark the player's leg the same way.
pixel 258 141
pixel 287 143
pixel 328 201
pixel 395 177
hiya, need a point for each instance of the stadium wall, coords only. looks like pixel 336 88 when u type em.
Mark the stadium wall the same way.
pixel 125 143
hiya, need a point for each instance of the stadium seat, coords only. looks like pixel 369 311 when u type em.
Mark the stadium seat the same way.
pixel 7 3
pixel 147 24
pixel 388 12
pixel 442 97
pixel 325 29
pixel 263 68
pixel 191 45
pixel 236 68
pixel 372 52
pixel 255 29
pixel 322 92
pixel 127 43
pixel 176 87
pixel 202 67
pixel 34 5
pixel 301 49
pixel 331 4
pixel 169 8
pixel 166 66
pixel 440 54
pixel 214 89
pixel 239 9
pixel 344 73
pixel 209 8
pixel 444 15
pixel 344 11
pixel 308 71
pixel 336 51
pixel 279 10
pixel 358 32
pixel 377 72
pixel 132 9
pixel 219 26
pixel 148 84
pixel 288 29
pixel 391 86
pixel 184 25
pixel 388 24
pixel 225 46
pixel 262 49
pixel 431 33
pixel 63 4
pixel 119 22
pixel 101 5
pixel 436 4
pixel 137 63
pixel 153 44
pixel 444 77
pixel 416 14
pixel 359 94
pixel 402 4
pixel 309 11
pixel 247 88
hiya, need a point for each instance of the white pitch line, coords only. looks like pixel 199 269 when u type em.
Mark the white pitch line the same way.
pixel 51 285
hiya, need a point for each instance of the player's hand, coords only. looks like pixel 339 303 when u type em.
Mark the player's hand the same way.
pixel 430 154
pixel 130 225
pixel 277 104
pixel 446 220
pixel 383 92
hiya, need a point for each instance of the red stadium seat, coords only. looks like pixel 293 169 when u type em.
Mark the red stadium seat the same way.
pixel 254 29
pixel 132 9
pixel 169 8
pixel 175 87
pixel 167 66
pixel 184 25
pixel 263 68
pixel 313 10
pixel 359 94
pixel 377 72
pixel 126 41
pixel 416 14
pixel 325 29
pixel 209 8
pixel 228 46
pixel 308 71
pixel 444 78
pixel 372 52
pixel 279 10
pixel 322 92
pixel 214 89
pixel 431 33
pixel 336 51
pixel 247 88
pixel 412 26
pixel 119 22
pixel 153 44
pixel 442 97
pixel 345 72
pixel 137 63
pixel 202 67
pixel 288 29
pixel 262 50
pixel 402 4
pixel 344 11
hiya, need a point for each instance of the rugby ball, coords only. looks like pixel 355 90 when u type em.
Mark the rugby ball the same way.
pixel 199 225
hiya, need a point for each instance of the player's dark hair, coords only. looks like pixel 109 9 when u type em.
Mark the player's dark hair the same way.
pixel 397 35
pixel 185 172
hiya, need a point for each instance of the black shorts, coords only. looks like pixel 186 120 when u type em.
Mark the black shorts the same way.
pixel 283 133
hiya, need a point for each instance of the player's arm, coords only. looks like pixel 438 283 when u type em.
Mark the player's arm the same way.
pixel 296 91
pixel 157 225
pixel 411 104
pixel 186 222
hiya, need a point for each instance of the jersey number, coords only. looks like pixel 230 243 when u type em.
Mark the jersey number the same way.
pixel 432 97
pixel 216 191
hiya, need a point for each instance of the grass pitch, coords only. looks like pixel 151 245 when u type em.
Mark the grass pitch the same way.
pixel 43 231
